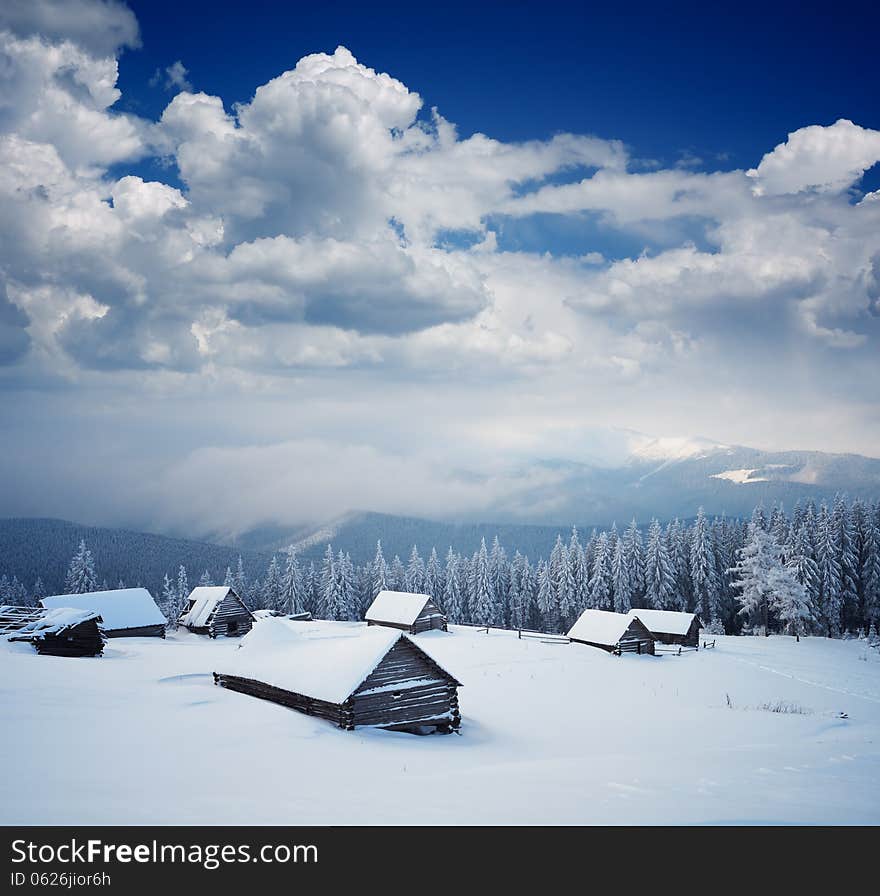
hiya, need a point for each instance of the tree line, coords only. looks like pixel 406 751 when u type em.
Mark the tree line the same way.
pixel 816 571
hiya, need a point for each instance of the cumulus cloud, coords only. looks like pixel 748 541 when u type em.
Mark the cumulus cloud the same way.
pixel 827 159
pixel 340 255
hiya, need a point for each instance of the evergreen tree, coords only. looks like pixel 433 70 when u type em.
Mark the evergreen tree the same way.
pixel 703 568
pixel 545 599
pixel 753 574
pixel 635 562
pixel 170 605
pixel 499 579
pixel 397 575
pixel 415 573
pixel 621 579
pixel 601 588
pixel 842 535
pixel 806 571
pixel 81 577
pixel 291 592
pixel 659 579
pixel 481 599
pixel 206 581
pixel 239 580
pixel 271 598
pixel 578 582
pixel 829 575
pixel 453 597
pixel 380 571
pixel 790 600
pixel 434 578
pixel 182 589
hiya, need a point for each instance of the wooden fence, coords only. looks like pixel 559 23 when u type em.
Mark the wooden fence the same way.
pixel 544 637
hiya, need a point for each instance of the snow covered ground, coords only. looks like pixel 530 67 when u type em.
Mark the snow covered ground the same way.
pixel 550 734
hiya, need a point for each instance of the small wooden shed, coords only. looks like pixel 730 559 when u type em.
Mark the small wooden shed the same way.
pixel 218 611
pixel 614 632
pixel 126 612
pixel 672 627
pixel 409 612
pixel 65 631
pixel 374 677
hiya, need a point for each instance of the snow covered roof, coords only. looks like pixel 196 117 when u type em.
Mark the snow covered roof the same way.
pixel 206 598
pixel 600 627
pixel 399 607
pixel 54 621
pixel 310 660
pixel 120 609
pixel 668 622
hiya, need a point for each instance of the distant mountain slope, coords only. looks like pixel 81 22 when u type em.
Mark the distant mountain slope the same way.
pixel 665 478
pixel 43 547
pixel 357 533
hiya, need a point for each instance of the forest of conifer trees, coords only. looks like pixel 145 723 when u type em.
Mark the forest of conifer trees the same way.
pixel 816 571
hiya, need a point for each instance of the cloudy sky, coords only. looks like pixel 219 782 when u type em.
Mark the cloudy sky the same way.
pixel 273 265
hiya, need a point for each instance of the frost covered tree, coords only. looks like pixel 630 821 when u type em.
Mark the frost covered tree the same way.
pixel 844 546
pixel 453 601
pixel 434 578
pixel 81 577
pixel 38 592
pixel 415 572
pixel 789 600
pixel 752 575
pixel 206 581
pixel 806 570
pixel 621 579
pixel 578 575
pixel 518 598
pixel 182 587
pixel 291 592
pixel 480 599
pixel 239 580
pixel 659 579
pixel 271 591
pixel 170 605
pixel 703 568
pixel 545 599
pixel 829 574
pixel 635 562
pixel 601 586
pixel 332 599
pixel 380 571
pixel 499 579
pixel 397 575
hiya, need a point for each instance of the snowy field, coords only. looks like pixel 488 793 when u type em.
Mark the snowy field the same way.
pixel 551 734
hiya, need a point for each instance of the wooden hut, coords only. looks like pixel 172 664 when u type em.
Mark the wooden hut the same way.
pixel 217 611
pixel 357 677
pixel 65 631
pixel 126 612
pixel 411 613
pixel 671 627
pixel 614 632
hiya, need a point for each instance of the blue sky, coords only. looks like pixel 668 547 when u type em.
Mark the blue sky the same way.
pixel 686 78
pixel 240 244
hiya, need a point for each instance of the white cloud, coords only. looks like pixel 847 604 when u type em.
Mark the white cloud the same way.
pixel 818 158
pixel 102 27
pixel 313 264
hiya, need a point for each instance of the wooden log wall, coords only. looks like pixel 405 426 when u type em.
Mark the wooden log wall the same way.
pixel 230 609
